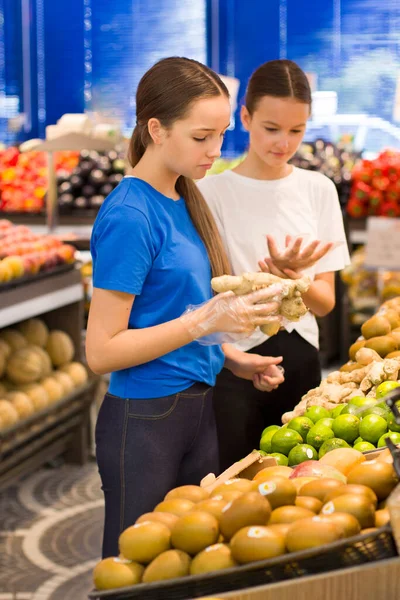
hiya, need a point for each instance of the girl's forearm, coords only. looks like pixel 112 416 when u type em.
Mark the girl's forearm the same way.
pixel 133 347
pixel 320 298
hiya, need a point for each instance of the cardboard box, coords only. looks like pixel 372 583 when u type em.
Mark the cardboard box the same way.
pixel 245 468
pixel 374 581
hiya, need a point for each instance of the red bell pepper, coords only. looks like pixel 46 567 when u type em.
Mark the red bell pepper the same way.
pixel 389 209
pixel 381 183
pixel 361 190
pixel 356 208
pixel 376 198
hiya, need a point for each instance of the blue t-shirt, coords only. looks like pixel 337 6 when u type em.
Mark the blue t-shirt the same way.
pixel 144 243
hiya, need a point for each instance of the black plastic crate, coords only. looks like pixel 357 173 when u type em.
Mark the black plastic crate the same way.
pixel 350 552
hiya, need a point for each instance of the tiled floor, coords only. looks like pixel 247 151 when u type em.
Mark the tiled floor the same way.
pixel 50 534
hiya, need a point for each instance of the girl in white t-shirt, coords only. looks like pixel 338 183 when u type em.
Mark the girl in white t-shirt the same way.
pixel 266 195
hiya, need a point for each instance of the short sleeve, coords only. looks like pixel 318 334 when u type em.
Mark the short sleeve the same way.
pixel 122 250
pixel 331 229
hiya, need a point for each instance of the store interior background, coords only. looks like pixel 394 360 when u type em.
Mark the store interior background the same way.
pixel 88 55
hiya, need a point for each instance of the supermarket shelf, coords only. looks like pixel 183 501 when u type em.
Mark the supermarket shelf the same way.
pixel 38 297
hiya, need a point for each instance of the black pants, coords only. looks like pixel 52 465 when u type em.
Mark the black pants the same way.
pixel 242 411
pixel 145 448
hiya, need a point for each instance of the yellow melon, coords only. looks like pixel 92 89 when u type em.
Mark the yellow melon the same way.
pixel 2 364
pixel 24 366
pixel 38 395
pixel 8 414
pixel 22 404
pixel 47 366
pixel 53 388
pixel 77 372
pixel 65 380
pixel 13 338
pixel 35 331
pixel 60 347
pixel 5 348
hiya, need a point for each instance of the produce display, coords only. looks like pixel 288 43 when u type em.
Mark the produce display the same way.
pixel 282 510
pixel 93 178
pixel 24 178
pixel 291 305
pixel 376 187
pixel 23 252
pixel 36 370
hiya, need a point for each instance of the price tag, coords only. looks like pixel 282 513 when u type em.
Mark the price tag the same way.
pixel 383 243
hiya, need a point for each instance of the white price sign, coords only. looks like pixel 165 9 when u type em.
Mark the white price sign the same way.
pixel 383 243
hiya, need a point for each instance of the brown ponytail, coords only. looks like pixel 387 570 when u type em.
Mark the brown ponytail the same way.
pixel 166 92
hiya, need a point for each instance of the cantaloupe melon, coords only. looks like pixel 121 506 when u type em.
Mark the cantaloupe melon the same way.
pixel 65 380
pixel 47 366
pixel 2 364
pixel 77 372
pixel 35 331
pixel 22 404
pixel 24 366
pixel 5 348
pixel 8 414
pixel 60 347
pixel 53 388
pixel 3 390
pixel 14 338
pixel 38 395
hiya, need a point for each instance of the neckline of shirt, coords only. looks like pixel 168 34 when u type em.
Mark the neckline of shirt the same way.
pixel 178 202
pixel 264 182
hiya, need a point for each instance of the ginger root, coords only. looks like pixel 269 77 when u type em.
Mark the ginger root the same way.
pixel 291 305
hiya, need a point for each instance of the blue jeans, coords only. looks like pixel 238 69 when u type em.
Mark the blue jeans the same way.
pixel 144 448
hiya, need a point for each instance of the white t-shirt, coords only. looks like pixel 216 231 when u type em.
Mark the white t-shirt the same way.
pixel 246 209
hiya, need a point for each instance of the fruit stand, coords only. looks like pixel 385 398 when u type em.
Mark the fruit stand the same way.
pixel 50 419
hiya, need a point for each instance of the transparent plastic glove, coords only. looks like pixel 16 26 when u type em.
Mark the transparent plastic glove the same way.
pixel 227 314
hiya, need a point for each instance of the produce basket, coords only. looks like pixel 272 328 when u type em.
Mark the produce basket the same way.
pixel 353 551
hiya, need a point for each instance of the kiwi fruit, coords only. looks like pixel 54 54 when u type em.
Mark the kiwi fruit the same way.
pixel 176 506
pixel 312 532
pixel 161 517
pixel 279 491
pixel 168 565
pixel 358 505
pixel 376 326
pixel 354 348
pixel 194 493
pixel 238 485
pixel 214 506
pixel 288 514
pixel 250 509
pixel 383 345
pixel 309 502
pixel 144 541
pixel 195 531
pixel 227 495
pixel 257 543
pixel 319 488
pixel 352 489
pixel 214 558
pixel 346 521
pixel 379 476
pixel 113 572
pixel 382 517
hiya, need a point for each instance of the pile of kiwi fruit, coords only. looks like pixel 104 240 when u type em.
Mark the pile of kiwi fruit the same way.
pixel 194 531
pixel 380 333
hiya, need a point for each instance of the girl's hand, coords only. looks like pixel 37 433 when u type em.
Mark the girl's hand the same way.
pixel 294 258
pixel 229 313
pixel 270 379
pixel 246 366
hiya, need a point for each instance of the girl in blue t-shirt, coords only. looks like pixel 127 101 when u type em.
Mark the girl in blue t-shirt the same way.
pixel 155 248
